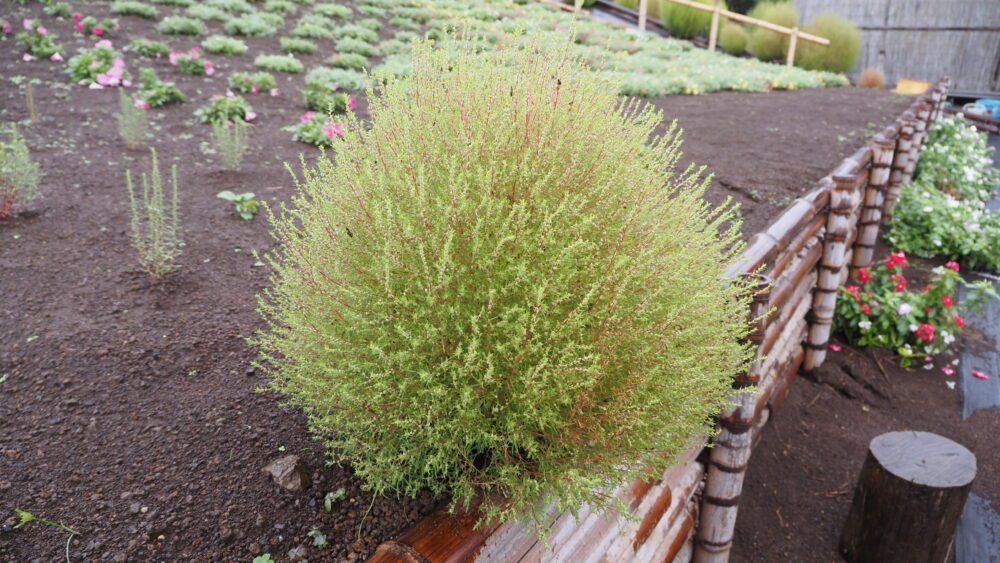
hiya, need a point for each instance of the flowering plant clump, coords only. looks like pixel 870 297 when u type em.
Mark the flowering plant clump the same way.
pixel 99 67
pixel 153 92
pixel 19 174
pixel 944 212
pixel 222 45
pixel 503 286
pixel 316 129
pixel 881 311
pixel 92 26
pixel 223 109
pixel 252 83
pixel 327 98
pixel 38 41
pixel 149 48
pixel 191 62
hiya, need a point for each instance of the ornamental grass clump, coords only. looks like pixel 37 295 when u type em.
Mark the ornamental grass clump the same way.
pixel 19 174
pixel 504 286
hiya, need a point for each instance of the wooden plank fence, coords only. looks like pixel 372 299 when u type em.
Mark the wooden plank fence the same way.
pixel 795 267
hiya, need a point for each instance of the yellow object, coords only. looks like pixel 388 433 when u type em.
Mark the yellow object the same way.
pixel 911 87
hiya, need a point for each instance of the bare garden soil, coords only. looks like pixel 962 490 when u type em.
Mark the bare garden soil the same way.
pixel 130 410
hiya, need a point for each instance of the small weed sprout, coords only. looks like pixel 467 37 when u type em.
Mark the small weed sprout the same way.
pixel 230 140
pixel 245 204
pixel 27 517
pixel 318 538
pixel 133 126
pixel 332 497
pixel 155 221
pixel 19 175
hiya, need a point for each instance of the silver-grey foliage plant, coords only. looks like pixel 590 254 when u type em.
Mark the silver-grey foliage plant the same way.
pixel 504 287
pixel 156 233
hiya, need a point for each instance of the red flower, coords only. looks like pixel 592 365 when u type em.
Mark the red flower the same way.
pixel 946 300
pixel 853 290
pixel 78 26
pixel 866 309
pixel 927 310
pixel 836 347
pixel 927 288
pixel 959 321
pixel 925 332
pixel 900 281
pixel 979 374
pixel 863 276
pixel 893 260
pixel 98 31
pixel 77 17
pixel 952 265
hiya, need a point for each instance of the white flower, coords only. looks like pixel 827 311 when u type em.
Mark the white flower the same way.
pixel 865 325
pixel 905 309
pixel 928 209
pixel 950 384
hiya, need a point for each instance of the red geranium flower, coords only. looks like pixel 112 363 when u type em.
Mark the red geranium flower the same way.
pixel 925 332
pixel 866 309
pixel 952 265
pixel 854 290
pixel 863 276
pixel 946 300
pixel 900 281
pixel 959 321
pixel 893 260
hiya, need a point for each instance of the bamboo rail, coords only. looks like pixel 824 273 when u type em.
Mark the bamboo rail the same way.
pixel 796 267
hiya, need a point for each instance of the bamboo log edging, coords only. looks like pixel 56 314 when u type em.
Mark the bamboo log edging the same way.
pixel 798 264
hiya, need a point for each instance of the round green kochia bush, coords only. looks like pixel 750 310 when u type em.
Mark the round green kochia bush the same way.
pixel 733 38
pixel 502 286
pixel 768 45
pixel 842 52
pixel 686 22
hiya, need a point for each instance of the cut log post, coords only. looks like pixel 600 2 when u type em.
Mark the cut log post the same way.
pixel 713 32
pixel 908 499
pixel 729 457
pixel 899 163
pixel 643 8
pixel 793 40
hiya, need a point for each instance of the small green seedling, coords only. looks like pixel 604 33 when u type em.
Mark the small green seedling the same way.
pixel 318 538
pixel 266 558
pixel 27 517
pixel 332 497
pixel 245 204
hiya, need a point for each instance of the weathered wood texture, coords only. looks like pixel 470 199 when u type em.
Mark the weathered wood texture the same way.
pixel 923 40
pixel 908 499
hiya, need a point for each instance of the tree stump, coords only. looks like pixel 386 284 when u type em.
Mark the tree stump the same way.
pixel 908 499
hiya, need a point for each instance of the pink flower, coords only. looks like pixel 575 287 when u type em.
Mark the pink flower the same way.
pixel 905 309
pixel 900 281
pixel 209 69
pixel 853 290
pixel 959 321
pixel 195 50
pixel 893 260
pixel 56 58
pixel 307 117
pixel 952 265
pixel 7 28
pixel 946 301
pixel 351 102
pixel 250 116
pixel 174 55
pixel 103 43
pixel 78 26
pixel 97 30
pixel 27 24
pixel 925 332
pixel 41 30
pixel 274 92
pixel 118 63
pixel 27 58
pixel 863 276
pixel 836 347
pixel 928 359
pixel 77 16
pixel 254 89
pixel 947 370
pixel 141 104
pixel 979 374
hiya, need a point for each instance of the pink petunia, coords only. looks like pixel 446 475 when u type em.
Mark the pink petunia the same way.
pixel 255 89
pixel 307 117
pixel 947 370
pixel 141 104
pixel 250 116
pixel 836 347
pixel 103 43
pixel 209 69
pixel 42 31
pixel 77 16
pixel 952 265
pixel 78 27
pixel 97 30
pixel 26 23
pixel 7 28
pixel 979 374
pixel 56 58
pixel 351 102
pixel 27 58
pixel 274 92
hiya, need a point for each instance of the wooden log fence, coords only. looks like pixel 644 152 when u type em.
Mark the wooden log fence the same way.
pixel 795 269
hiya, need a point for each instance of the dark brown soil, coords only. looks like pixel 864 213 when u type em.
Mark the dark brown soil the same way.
pixel 130 411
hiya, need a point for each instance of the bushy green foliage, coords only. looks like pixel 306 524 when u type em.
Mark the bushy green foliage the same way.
pixel 89 64
pixel 686 22
pixel 231 6
pixel 58 9
pixel 38 41
pixel 505 286
pixel 134 8
pixel 206 13
pixel 733 38
pixel 842 52
pixel 222 45
pixel 133 124
pixel 768 45
pixel 283 7
pixel 316 129
pixel 251 25
pixel 155 92
pixel 373 11
pixel 223 109
pixel 355 31
pixel 156 229
pixel 279 63
pixel 180 25
pixel 349 45
pixel 181 3
pixel 944 212
pixel 344 79
pixel 370 23
pixel 348 60
pixel 404 23
pixel 19 174
pixel 325 95
pixel 230 142
pixel 252 83
pixel 293 45
pixel 332 10
pixel 149 48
